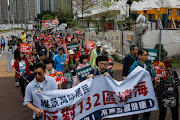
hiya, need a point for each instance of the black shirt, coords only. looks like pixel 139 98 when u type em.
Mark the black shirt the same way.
pixel 128 61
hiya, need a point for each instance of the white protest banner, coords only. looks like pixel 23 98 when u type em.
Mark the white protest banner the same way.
pixel 101 97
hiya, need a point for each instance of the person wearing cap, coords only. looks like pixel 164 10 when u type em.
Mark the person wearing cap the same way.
pixel 59 60
pixel 72 65
pixel 94 54
pixel 106 52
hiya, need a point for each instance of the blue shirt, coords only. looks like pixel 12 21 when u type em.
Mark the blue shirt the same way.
pixel 3 42
pixel 32 87
pixel 59 62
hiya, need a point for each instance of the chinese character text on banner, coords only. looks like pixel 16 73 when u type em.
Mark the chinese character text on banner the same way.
pixel 101 97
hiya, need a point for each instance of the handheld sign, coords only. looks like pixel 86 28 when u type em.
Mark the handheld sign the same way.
pixel 59 77
pixel 160 69
pixel 90 45
pixel 48 44
pixel 152 54
pixel 83 72
pixel 73 46
pixel 26 47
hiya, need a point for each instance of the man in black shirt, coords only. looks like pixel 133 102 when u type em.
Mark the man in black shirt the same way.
pixel 129 60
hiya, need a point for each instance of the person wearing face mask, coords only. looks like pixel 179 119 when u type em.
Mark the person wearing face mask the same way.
pixel 167 92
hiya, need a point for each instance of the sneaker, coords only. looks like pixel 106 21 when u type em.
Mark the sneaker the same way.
pixel 17 84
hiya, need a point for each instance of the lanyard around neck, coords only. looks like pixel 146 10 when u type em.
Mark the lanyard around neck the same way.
pixel 50 72
pixel 132 57
pixel 99 71
pixel 39 85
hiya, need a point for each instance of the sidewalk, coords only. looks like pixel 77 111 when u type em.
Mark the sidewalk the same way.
pixel 3 70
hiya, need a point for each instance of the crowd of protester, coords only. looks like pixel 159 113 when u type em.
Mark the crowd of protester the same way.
pixel 47 61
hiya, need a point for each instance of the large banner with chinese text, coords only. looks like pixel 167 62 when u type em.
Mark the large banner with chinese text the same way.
pixel 101 97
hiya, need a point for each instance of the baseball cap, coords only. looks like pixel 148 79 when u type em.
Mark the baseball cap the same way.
pixel 106 48
pixel 98 44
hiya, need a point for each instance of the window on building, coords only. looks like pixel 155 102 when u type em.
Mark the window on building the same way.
pixel 170 12
pixel 178 12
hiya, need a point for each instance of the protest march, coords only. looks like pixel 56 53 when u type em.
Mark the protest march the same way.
pixel 63 77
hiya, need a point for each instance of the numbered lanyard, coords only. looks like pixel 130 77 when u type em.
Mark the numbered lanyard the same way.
pixel 39 85
pixel 132 57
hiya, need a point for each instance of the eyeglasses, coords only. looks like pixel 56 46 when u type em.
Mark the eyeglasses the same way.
pixel 39 73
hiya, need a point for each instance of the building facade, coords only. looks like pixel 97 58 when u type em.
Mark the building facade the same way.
pixel 3 10
pixel 165 14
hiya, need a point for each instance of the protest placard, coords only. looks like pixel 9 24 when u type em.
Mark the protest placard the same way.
pixel 160 69
pixel 48 44
pixel 69 38
pixel 90 45
pixel 29 57
pixel 152 54
pixel 59 77
pixel 26 47
pixel 79 31
pixel 101 97
pixel 73 46
pixel 83 72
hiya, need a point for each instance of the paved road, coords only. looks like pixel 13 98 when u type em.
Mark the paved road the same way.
pixel 12 108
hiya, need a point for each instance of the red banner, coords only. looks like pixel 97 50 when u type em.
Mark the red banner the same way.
pixel 90 45
pixel 59 77
pixel 26 47
pixel 160 69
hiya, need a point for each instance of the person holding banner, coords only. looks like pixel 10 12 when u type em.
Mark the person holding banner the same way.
pixel 59 60
pixel 40 83
pixel 102 63
pixel 129 60
pixel 83 61
pixel 167 92
pixel 143 62
pixel 23 71
pixel 94 54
